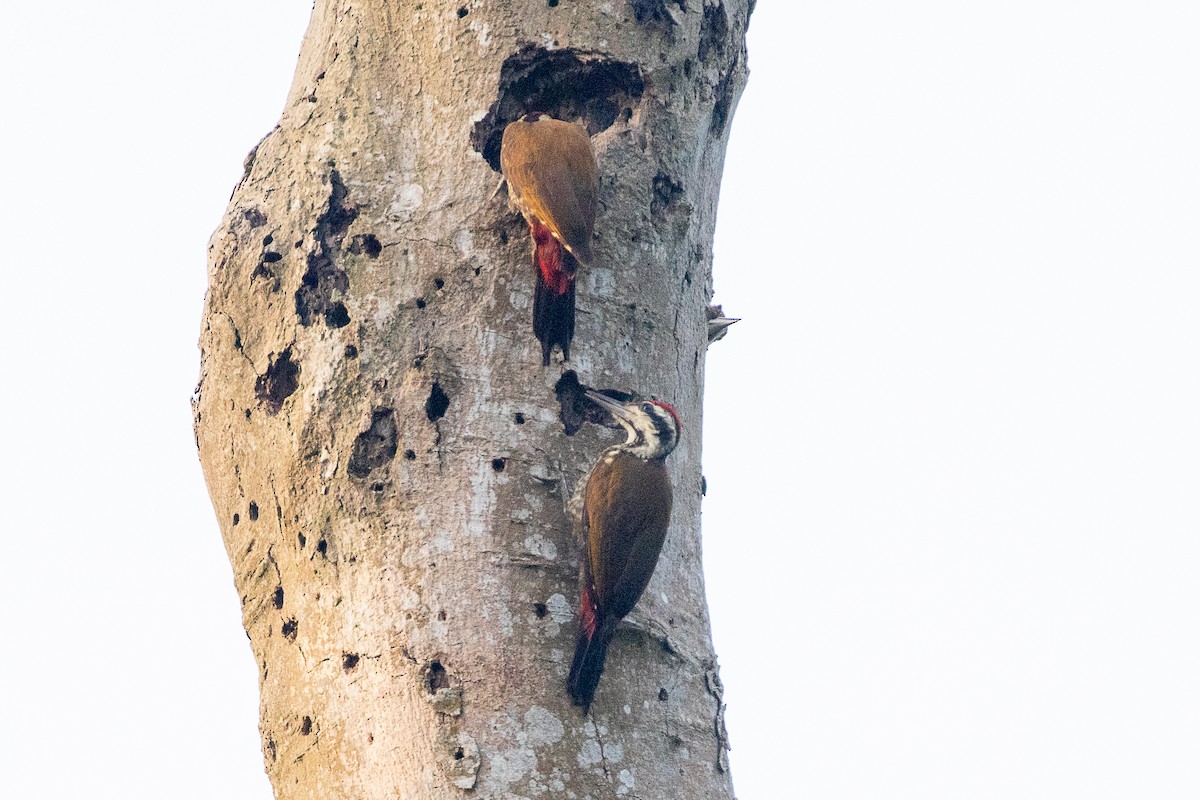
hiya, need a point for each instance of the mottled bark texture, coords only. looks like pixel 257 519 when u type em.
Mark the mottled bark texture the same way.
pixel 379 437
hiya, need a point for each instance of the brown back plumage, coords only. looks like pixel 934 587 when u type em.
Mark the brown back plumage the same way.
pixel 622 555
pixel 551 174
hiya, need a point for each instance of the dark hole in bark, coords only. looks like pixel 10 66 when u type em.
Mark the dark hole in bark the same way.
pixel 714 32
pixel 237 339
pixel 247 413
pixel 351 351
pixel 281 379
pixel 420 302
pixel 322 546
pixel 662 695
pixel 366 243
pixel 562 83
pixel 376 446
pixel 438 402
pixel 278 597
pixel 323 279
pixel 463 11
pixel 236 519
pixel 337 316
pixel 519 418
pixel 439 283
pixel 575 408
pixel 498 464
pixel 253 511
pixel 458 754
pixel 267 240
pixel 540 610
pixel 666 191
pixel 654 13
pixel 436 677
pixel 306 726
pixel 289 629
pixel 378 487
pixel 271 257
pixel 349 661
pixel 442 615
pixel 409 455
pixel 300 537
pixel 552 3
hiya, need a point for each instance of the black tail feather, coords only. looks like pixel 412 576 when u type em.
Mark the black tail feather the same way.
pixel 588 664
pixel 553 318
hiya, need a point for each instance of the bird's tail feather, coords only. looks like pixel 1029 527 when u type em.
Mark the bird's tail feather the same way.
pixel 588 663
pixel 553 317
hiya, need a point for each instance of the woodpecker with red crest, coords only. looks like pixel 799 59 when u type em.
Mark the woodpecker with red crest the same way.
pixel 551 174
pixel 626 508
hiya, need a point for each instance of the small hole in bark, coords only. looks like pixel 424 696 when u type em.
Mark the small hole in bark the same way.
pixel 301 538
pixel 278 598
pixel 662 695
pixel 409 455
pixel 540 610
pixel 236 519
pixel 271 257
pixel 349 661
pixel 477 269
pixel 322 546
pixel 420 302
pixel 503 239
pixel 442 615
pixel 552 3
pixel 289 629
pixel 268 239
pixel 247 413
pixel 253 511
pixel 439 283
pixel 377 487
pixel 306 726
pixel 498 464
pixel 458 754
pixel 438 402
pixel 376 446
pixel 281 379
pixel 337 316
pixel 351 351
pixel 436 677
pixel 519 418
pixel 462 11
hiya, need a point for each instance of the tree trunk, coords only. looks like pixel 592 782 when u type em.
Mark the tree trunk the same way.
pixel 380 441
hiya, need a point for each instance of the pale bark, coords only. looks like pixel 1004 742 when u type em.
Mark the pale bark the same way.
pixel 379 437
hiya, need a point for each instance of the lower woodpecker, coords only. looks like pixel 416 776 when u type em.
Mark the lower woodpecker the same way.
pixel 626 509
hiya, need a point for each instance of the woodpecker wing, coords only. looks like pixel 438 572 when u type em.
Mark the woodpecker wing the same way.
pixel 551 171
pixel 626 513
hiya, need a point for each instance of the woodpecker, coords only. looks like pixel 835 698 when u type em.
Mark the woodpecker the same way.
pixel 626 508
pixel 718 323
pixel 551 174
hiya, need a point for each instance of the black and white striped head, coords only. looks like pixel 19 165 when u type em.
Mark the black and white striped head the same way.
pixel 652 426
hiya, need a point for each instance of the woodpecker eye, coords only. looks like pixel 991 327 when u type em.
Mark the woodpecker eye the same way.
pixel 648 407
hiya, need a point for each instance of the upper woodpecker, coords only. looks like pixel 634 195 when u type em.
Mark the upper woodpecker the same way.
pixel 551 173
pixel 626 508
pixel 718 323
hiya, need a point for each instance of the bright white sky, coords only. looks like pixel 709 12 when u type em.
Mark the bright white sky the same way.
pixel 953 451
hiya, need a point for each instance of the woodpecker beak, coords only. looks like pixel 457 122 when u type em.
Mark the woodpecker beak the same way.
pixel 721 323
pixel 610 405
